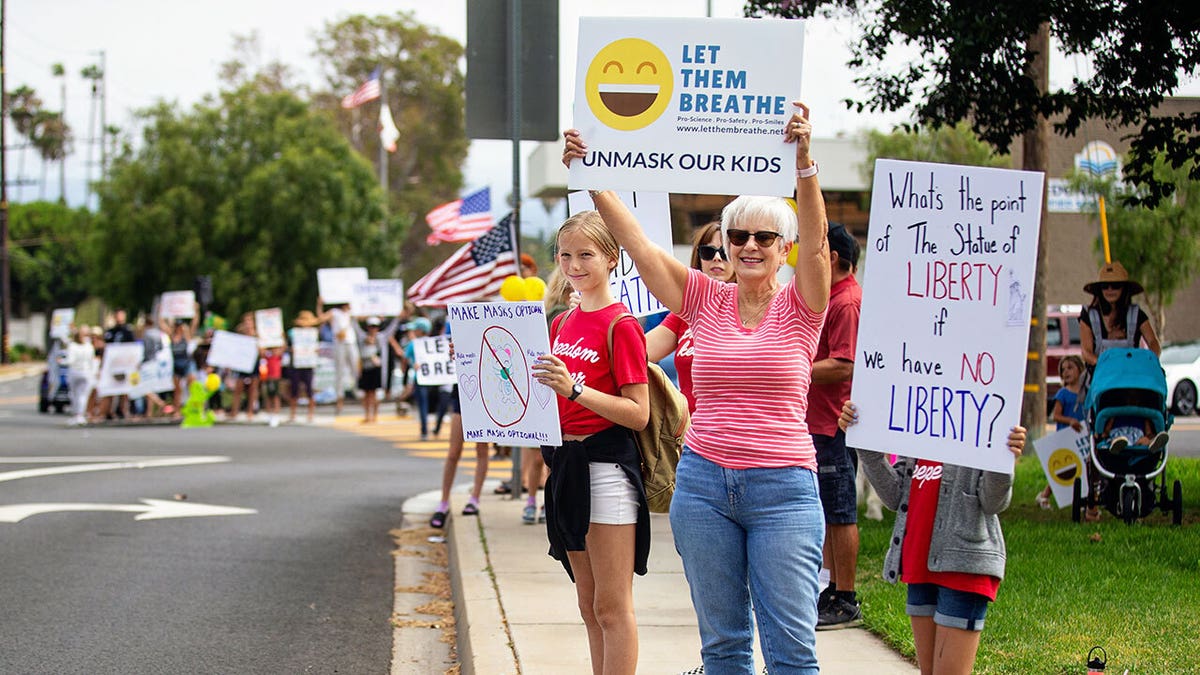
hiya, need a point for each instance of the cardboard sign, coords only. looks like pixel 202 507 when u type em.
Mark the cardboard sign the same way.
pixel 377 297
pixel 1062 455
pixel 336 284
pixel 60 323
pixel 687 105
pixel 304 347
pixel 653 212
pixel 119 368
pixel 495 345
pixel 178 305
pixel 268 324
pixel 233 350
pixel 947 296
pixel 154 376
pixel 434 365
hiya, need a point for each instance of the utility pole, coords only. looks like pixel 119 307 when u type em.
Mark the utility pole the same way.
pixel 61 73
pixel 4 290
pixel 103 116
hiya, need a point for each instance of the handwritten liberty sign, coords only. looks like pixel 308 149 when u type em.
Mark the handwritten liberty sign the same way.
pixel 947 297
pixel 495 347
pixel 653 212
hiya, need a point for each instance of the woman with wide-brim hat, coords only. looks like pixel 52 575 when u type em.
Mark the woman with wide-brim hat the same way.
pixel 303 375
pixel 1112 319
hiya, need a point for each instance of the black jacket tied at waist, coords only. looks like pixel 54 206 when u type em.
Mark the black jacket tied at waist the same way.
pixel 568 492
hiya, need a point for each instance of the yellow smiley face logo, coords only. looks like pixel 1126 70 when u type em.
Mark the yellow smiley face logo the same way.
pixel 1064 467
pixel 629 84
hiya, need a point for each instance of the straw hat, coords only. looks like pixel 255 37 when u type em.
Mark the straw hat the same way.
pixel 1113 273
pixel 307 319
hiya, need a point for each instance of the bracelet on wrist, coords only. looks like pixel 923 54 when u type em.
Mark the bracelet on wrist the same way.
pixel 808 172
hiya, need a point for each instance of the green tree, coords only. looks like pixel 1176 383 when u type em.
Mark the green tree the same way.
pixel 424 87
pixel 251 187
pixel 973 59
pixel 955 144
pixel 47 247
pixel 1160 246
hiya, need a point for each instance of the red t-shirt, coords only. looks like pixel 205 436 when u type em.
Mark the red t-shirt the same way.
pixel 684 349
pixel 581 341
pixel 914 551
pixel 274 361
pixel 838 340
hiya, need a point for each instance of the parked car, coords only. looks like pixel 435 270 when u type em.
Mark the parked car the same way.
pixel 1181 362
pixel 1062 338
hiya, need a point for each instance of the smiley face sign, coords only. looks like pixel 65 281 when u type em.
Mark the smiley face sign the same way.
pixel 1063 466
pixel 629 84
pixel 1062 456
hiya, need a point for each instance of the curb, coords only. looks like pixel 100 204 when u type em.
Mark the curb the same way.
pixel 485 646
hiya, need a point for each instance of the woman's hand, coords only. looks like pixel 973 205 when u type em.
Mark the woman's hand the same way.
pixel 573 147
pixel 1077 425
pixel 849 416
pixel 1016 441
pixel 552 372
pixel 799 131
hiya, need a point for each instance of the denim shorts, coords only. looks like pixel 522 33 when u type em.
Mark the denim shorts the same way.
pixel 836 469
pixel 948 607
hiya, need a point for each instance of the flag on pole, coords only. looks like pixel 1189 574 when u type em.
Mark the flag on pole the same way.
pixel 367 91
pixel 388 133
pixel 474 272
pixel 462 219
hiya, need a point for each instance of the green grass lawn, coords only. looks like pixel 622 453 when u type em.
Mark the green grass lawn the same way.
pixel 1135 590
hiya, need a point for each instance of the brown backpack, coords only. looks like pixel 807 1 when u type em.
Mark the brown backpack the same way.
pixel 661 441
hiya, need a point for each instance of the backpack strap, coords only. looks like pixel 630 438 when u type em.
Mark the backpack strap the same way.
pixel 611 327
pixel 556 324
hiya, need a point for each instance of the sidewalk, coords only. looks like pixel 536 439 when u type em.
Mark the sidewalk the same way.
pixel 517 613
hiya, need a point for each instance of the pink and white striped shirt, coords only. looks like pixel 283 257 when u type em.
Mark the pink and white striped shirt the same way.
pixel 751 385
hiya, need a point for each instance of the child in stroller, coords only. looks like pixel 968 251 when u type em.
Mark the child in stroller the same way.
pixel 1125 470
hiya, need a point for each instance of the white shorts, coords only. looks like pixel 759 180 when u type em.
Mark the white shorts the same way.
pixel 614 498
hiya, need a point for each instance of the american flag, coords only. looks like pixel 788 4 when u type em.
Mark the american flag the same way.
pixel 462 219
pixel 474 272
pixel 367 91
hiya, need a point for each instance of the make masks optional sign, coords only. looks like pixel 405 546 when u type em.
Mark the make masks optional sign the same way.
pixel 687 105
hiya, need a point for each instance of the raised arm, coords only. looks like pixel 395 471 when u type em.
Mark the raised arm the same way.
pixel 812 261
pixel 663 275
pixel 660 342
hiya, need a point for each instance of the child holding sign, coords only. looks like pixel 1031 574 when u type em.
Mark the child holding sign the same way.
pixel 951 574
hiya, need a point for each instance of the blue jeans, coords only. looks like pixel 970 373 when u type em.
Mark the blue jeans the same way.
pixel 750 535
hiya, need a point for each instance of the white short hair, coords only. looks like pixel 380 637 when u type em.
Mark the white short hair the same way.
pixel 775 210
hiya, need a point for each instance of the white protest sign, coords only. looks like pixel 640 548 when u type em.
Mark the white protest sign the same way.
pixel 495 346
pixel 1061 454
pixel 178 305
pixel 653 212
pixel 947 297
pixel 60 323
pixel 154 376
pixel 268 324
pixel 377 297
pixel 119 367
pixel 434 365
pixel 233 350
pixel 336 284
pixel 687 105
pixel 304 347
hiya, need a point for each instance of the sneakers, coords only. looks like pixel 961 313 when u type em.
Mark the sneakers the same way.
pixel 529 515
pixel 824 599
pixel 1159 442
pixel 1118 445
pixel 698 670
pixel 840 613
pixel 542 514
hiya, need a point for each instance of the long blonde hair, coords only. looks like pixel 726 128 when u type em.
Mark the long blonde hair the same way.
pixel 590 225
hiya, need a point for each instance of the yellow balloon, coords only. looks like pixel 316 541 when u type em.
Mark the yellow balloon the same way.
pixel 793 255
pixel 212 382
pixel 513 288
pixel 535 288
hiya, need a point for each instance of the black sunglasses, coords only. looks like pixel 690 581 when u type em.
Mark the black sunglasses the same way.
pixel 1113 285
pixel 709 252
pixel 762 237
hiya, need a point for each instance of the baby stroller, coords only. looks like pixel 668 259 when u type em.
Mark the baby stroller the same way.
pixel 1131 483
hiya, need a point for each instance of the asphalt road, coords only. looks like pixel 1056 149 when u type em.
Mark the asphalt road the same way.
pixel 303 584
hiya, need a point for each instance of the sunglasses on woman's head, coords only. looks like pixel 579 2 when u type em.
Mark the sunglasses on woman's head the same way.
pixel 709 252
pixel 762 237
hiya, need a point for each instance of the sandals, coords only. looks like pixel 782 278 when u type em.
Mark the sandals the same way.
pixel 438 520
pixel 470 509
pixel 1043 501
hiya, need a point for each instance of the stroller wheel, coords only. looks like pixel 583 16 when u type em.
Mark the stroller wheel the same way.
pixel 1077 504
pixel 1177 503
pixel 1129 506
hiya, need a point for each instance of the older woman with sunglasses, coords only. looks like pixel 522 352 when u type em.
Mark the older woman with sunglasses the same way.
pixel 746 515
pixel 674 334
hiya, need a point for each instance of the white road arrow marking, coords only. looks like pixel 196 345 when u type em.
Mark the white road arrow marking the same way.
pixel 100 464
pixel 149 509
